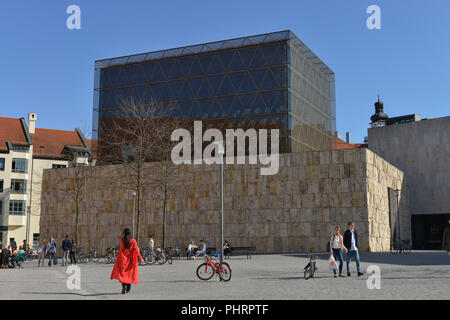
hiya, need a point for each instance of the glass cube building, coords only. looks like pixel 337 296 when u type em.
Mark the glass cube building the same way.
pixel 266 81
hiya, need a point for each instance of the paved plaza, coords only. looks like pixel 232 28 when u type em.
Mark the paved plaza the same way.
pixel 419 275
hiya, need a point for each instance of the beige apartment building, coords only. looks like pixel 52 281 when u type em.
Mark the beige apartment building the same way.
pixel 25 151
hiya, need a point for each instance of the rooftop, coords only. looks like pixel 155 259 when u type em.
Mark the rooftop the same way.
pixel 218 45
pixel 11 130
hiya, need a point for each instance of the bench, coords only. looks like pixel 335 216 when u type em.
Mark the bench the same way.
pixel 246 250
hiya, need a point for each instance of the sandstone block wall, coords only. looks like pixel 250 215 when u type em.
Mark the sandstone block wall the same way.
pixel 293 211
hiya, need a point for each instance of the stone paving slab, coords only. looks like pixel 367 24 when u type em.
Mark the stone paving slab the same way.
pixel 420 275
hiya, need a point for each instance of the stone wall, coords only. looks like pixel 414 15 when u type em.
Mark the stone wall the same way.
pixel 293 211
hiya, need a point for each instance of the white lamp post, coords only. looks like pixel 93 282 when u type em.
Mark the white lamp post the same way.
pixel 221 152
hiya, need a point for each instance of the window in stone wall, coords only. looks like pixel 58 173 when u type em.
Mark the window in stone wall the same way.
pixel 1 185
pixel 2 164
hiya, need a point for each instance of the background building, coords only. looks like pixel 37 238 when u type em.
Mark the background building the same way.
pixel 25 151
pixel 266 81
pixel 421 149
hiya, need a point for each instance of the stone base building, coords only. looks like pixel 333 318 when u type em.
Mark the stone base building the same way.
pixel 293 211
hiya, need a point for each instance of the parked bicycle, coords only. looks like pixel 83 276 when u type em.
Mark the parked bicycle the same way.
pixel 93 256
pixel 310 268
pixel 404 247
pixel 111 255
pixel 80 256
pixel 206 270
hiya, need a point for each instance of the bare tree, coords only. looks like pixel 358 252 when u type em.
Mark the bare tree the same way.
pixel 137 133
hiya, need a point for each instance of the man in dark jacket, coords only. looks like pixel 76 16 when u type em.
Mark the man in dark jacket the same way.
pixel 351 244
pixel 66 246
pixel 13 244
pixel 446 239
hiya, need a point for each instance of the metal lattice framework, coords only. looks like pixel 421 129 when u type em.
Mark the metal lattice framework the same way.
pixel 265 81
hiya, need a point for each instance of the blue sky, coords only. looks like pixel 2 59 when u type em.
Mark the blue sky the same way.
pixel 48 69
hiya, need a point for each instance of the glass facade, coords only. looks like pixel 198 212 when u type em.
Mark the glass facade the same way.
pixel 266 81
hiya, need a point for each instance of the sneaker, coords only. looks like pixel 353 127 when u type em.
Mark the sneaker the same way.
pixel 335 276
pixel 360 274
pixel 348 274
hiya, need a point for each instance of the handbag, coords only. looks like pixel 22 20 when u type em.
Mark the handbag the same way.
pixel 332 263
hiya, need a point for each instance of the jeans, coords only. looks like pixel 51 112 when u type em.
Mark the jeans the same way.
pixel 350 255
pixel 73 260
pixel 51 258
pixel 65 257
pixel 337 255
pixel 41 257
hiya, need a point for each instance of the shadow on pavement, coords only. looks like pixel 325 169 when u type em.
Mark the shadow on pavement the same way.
pixel 415 258
pixel 75 294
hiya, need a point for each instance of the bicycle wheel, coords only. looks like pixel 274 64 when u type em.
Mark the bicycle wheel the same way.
pixel 225 271
pixel 307 272
pixel 162 258
pixel 394 250
pixel 150 259
pixel 205 271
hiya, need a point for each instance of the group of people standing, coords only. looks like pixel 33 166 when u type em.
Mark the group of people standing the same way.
pixel 49 250
pixel 345 244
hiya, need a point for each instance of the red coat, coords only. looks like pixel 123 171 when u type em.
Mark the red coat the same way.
pixel 126 266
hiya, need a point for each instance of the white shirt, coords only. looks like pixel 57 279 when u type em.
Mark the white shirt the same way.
pixel 335 242
pixel 151 243
pixel 353 246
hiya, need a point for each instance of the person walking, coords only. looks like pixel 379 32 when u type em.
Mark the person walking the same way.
pixel 126 266
pixel 42 250
pixel 336 249
pixel 73 249
pixel 66 246
pixel 446 239
pixel 351 244
pixel 226 248
pixel 51 251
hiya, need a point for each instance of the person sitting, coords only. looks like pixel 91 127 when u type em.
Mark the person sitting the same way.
pixel 201 250
pixel 192 248
pixel 19 257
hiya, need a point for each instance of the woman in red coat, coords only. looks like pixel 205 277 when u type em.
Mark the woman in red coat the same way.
pixel 126 266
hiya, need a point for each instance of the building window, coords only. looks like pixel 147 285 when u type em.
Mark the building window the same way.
pixel 2 164
pixel 58 166
pixel 1 185
pixel 19 165
pixel 16 207
pixel 20 148
pixel 36 238
pixel 18 186
pixel 1 207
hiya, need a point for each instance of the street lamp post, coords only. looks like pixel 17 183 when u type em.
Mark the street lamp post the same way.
pixel 134 205
pixel 398 220
pixel 221 152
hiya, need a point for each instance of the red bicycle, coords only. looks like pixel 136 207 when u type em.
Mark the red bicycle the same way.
pixel 206 270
